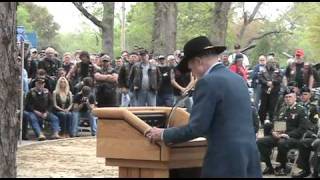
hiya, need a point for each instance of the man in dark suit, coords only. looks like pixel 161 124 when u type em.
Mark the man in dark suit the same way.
pixel 221 113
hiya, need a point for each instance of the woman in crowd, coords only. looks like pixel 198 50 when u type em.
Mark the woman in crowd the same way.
pixel 62 103
pixel 238 68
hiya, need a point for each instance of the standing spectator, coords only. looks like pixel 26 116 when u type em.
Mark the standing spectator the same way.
pixel 32 63
pixel 84 102
pixel 124 84
pixel 181 83
pixel 256 85
pixel 67 62
pixel 50 63
pixel 118 64
pixel 38 105
pixel 146 79
pixel 224 59
pixel 270 80
pixel 106 84
pixel 117 68
pixel 297 72
pixel 238 67
pixel 42 54
pixel 232 57
pixel 77 56
pixel 82 69
pixel 125 56
pixel 165 92
pixel 62 104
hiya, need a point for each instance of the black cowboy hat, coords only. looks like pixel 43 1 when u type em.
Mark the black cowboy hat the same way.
pixel 195 47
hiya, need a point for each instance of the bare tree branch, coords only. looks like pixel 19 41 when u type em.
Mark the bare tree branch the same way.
pixel 266 34
pixel 79 6
pixel 247 21
pixel 257 19
pixel 255 10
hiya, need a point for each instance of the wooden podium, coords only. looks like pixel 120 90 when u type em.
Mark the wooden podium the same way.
pixel 121 141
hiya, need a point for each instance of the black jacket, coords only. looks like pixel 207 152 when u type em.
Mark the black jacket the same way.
pixel 40 101
pixel 50 65
pixel 136 76
pixel 273 75
pixel 124 75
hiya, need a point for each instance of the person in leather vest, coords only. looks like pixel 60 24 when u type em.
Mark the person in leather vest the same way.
pixel 82 69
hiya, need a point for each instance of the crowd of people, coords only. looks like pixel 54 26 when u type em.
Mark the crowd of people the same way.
pixel 62 91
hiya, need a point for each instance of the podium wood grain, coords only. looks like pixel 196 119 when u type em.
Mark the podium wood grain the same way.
pixel 121 141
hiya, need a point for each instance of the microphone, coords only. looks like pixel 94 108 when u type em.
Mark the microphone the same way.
pixel 175 106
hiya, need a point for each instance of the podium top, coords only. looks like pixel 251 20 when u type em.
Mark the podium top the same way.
pixel 130 115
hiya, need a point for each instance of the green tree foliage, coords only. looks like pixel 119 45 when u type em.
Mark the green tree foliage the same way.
pixel 88 40
pixel 304 19
pixel 140 25
pixel 38 19
pixel 193 19
pixel 23 18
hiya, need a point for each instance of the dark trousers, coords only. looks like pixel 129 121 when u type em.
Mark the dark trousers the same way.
pixel 305 148
pixel 266 144
pixel 267 106
pixel 25 123
pixel 165 99
pixel 106 97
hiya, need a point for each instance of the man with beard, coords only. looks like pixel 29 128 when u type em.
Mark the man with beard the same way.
pixel 81 70
pixel 299 72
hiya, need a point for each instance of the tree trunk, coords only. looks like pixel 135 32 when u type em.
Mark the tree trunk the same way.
pixel 165 28
pixel 247 21
pixel 220 22
pixel 9 93
pixel 107 27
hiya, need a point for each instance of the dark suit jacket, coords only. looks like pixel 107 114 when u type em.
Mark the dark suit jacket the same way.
pixel 222 113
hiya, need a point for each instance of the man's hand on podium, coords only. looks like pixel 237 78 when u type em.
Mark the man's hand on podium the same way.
pixel 155 134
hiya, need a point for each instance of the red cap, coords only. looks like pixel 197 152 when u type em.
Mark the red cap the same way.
pixel 299 52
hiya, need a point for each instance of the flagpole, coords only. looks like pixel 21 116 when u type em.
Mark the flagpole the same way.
pixel 21 96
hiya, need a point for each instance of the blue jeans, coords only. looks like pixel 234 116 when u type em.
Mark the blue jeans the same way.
pixel 65 121
pixel 37 122
pixel 165 100
pixel 133 99
pixel 76 119
pixel 146 98
pixel 257 95
pixel 187 102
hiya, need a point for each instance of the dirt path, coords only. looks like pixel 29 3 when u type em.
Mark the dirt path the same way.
pixel 73 157
pixel 63 158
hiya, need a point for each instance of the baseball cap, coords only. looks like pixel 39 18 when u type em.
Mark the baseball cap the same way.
pixel 299 52
pixel 32 50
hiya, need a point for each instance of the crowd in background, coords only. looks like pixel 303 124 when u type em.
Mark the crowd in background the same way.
pixel 60 91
